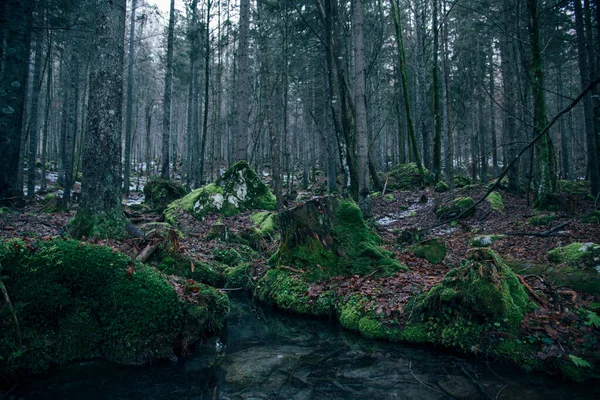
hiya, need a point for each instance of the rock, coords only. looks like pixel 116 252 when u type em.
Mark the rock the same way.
pixel 432 250
pixel 237 190
pixel 484 240
pixel 455 209
pixel 159 192
pixel 441 186
pixel 407 176
pixel 580 255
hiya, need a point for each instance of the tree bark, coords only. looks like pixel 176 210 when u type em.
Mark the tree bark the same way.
pixel 129 112
pixel 166 129
pixel 243 85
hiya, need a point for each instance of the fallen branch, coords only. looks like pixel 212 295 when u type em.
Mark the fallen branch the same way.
pixel 548 233
pixel 298 271
pixel 12 309
pixel 147 252
pixel 531 292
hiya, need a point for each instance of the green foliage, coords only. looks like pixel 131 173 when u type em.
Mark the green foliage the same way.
pixel 456 208
pixel 77 301
pixel 541 220
pixel 237 190
pixel 579 362
pixel 495 200
pixel 239 276
pixel 591 218
pixel 573 187
pixel 407 176
pixel 100 225
pixel 441 186
pixel 592 319
pixel 432 250
pixel 580 255
pixel 160 192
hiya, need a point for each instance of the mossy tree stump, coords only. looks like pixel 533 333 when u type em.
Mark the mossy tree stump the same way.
pixel 328 236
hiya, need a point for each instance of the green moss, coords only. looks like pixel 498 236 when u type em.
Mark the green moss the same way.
pixel 591 218
pixel 573 187
pixel 581 280
pixel 239 276
pixel 461 181
pixel 495 200
pixel 175 263
pixel 485 240
pixel 432 250
pixel 407 176
pixel 580 255
pixel 76 301
pixel 441 186
pixel 541 220
pixel 456 208
pixel 389 197
pixel 372 328
pixel 100 225
pixel 266 222
pixel 237 190
pixel 289 292
pixel 159 192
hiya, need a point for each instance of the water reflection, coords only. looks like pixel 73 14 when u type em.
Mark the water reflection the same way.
pixel 264 354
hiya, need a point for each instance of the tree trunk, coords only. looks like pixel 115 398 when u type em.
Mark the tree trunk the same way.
pixel 100 212
pixel 13 86
pixel 206 87
pixel 243 85
pixel 166 128
pixel 33 125
pixel 129 112
pixel 437 117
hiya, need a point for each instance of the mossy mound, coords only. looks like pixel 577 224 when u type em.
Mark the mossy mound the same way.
pixel 495 201
pixel 581 280
pixel 327 237
pixel 77 301
pixel 481 296
pixel 485 240
pixel 160 192
pixel 432 250
pixel 237 190
pixel 456 209
pixel 591 218
pixel 407 176
pixel 460 181
pixel 441 186
pixel 573 187
pixel 266 222
pixel 580 255
pixel 171 262
pixel 541 219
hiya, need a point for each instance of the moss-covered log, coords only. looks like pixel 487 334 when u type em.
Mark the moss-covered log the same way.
pixel 328 236
pixel 77 301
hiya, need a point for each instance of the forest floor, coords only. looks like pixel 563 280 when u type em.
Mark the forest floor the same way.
pixel 556 325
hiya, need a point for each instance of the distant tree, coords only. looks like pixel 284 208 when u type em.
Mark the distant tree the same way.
pixel 100 212
pixel 15 37
pixel 242 100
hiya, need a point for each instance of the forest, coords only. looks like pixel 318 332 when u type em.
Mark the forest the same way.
pixel 415 175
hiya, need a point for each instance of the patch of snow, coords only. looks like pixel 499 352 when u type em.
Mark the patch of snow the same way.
pixel 198 206
pixel 386 221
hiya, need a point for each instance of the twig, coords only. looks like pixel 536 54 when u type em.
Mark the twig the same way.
pixel 385 185
pixel 12 309
pixel 531 292
pixel 298 271
pixel 421 382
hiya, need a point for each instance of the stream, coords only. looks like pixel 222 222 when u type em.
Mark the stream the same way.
pixel 266 354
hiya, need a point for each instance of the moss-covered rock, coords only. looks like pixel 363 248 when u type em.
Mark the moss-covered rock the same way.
pixel 460 181
pixel 456 208
pixel 160 192
pixel 328 236
pixel 591 218
pixel 573 187
pixel 266 222
pixel 407 176
pixel 495 201
pixel 482 295
pixel 441 186
pixel 541 219
pixel 76 301
pixel 484 240
pixel 237 190
pixel 432 250
pixel 580 255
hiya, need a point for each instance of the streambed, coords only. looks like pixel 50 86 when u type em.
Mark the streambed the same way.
pixel 265 354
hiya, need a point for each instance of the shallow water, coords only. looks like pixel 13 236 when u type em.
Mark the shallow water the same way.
pixel 265 354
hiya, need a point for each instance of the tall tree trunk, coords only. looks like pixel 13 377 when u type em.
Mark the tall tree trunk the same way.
pixel 33 125
pixel 564 137
pixel 49 89
pixel 244 84
pixel 405 90
pixel 13 85
pixel 588 109
pixel 543 149
pixel 437 116
pixel 206 87
pixel 129 111
pixel 166 128
pixel 100 212
pixel 362 135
